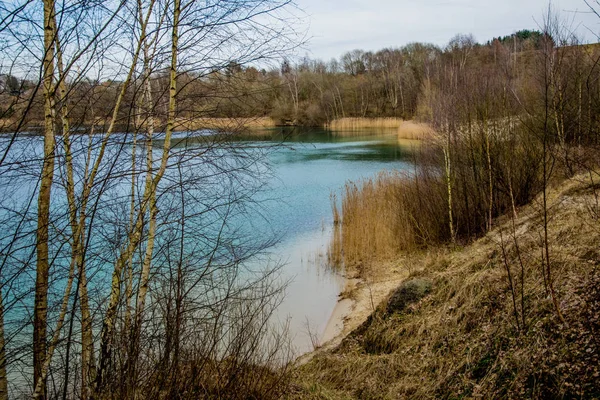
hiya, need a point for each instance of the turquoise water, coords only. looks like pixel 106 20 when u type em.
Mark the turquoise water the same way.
pixel 306 170
pixel 302 170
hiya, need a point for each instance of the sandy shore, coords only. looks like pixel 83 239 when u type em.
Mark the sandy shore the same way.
pixel 360 298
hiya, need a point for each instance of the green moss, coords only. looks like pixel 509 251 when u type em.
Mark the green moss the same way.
pixel 408 293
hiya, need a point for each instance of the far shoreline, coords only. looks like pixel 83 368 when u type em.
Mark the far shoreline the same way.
pixel 405 129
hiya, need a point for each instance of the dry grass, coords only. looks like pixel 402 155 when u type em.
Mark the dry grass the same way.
pixel 224 124
pixel 405 129
pixel 227 379
pixel 373 224
pixel 381 218
pixel 7 124
pixel 414 130
pixel 460 340
pixel 354 124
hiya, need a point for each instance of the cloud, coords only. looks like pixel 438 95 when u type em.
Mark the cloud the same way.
pixel 338 26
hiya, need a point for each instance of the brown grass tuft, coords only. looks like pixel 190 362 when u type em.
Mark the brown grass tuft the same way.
pixel 374 223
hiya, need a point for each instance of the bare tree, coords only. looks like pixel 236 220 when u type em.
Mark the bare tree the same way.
pixel 109 70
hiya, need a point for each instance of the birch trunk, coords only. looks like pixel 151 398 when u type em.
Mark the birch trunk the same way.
pixel 135 333
pixel 486 128
pixel 448 173
pixel 78 239
pixel 78 226
pixel 135 238
pixel 449 190
pixel 3 377
pixel 141 300
pixel 43 206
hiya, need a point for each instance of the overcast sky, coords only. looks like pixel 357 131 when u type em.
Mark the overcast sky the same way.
pixel 337 26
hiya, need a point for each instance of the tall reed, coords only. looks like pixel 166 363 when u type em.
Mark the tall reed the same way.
pixel 414 130
pixel 375 221
pixel 224 124
pixel 382 217
pixel 352 124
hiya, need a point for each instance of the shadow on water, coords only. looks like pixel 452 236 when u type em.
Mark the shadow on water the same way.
pixel 309 143
pixel 361 151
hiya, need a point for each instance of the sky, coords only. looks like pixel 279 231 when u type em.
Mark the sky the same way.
pixel 338 26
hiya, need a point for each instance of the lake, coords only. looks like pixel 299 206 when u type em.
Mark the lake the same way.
pixel 307 168
pixel 303 169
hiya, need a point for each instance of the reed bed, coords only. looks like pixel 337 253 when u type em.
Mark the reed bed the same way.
pixel 415 130
pixel 411 130
pixel 354 124
pixel 224 124
pixel 379 218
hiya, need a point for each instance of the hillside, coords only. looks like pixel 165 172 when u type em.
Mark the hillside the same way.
pixel 451 329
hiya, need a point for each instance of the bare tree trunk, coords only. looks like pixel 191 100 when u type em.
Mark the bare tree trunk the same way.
pixel 154 180
pixel 77 233
pixel 43 217
pixel 129 270
pixel 88 369
pixel 3 376
pixel 490 174
pixel 448 172
pixel 78 226
pixel 135 333
pixel 39 384
pixel 135 236
pixel 579 111
pixel 548 78
pixel 292 78
pixel 403 101
pixel 341 101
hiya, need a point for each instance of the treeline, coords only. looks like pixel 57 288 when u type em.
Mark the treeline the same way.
pixel 391 82
pixel 387 83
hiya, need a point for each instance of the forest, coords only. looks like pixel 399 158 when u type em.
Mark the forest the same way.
pixel 390 83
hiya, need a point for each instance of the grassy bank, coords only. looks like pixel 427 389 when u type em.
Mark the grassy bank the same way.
pixel 458 327
pixel 415 130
